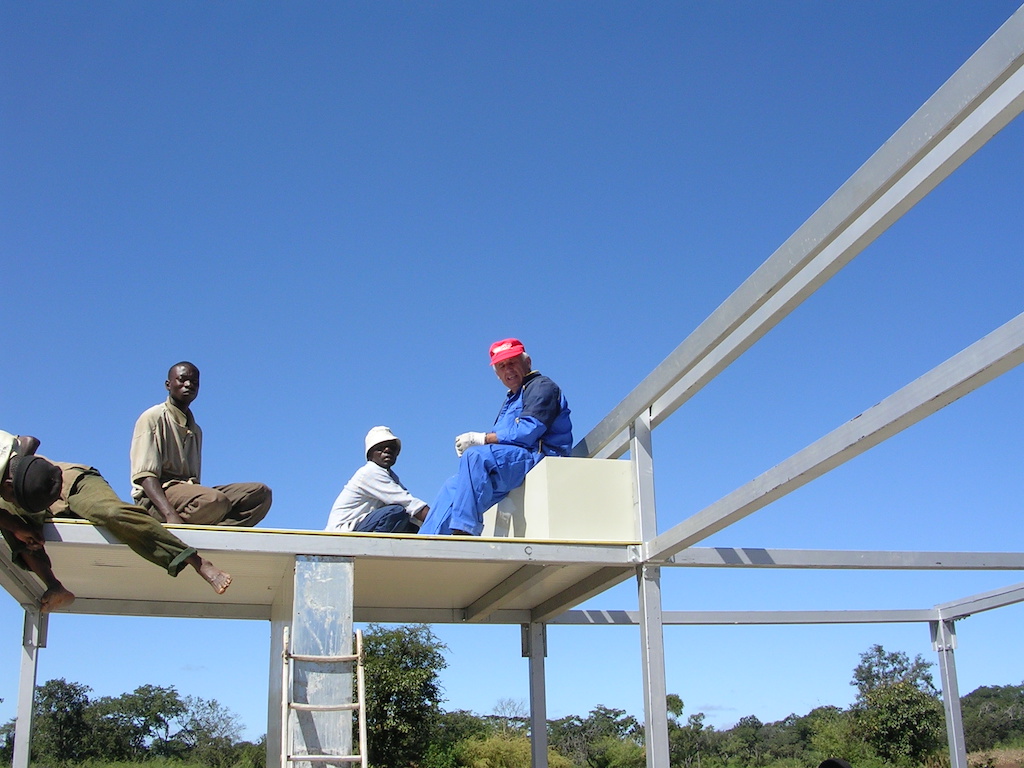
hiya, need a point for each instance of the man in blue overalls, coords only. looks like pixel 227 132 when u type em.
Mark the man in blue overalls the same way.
pixel 533 423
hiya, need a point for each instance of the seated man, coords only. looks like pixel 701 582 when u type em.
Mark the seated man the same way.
pixel 166 458
pixel 533 423
pixel 375 499
pixel 33 491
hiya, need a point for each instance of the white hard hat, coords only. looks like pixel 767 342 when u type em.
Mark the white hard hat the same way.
pixel 379 435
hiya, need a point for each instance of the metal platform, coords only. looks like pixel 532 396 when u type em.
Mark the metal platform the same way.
pixel 397 577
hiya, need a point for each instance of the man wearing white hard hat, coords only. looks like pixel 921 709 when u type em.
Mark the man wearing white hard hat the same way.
pixel 374 500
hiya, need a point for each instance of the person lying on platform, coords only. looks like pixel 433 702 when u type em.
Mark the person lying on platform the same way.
pixel 34 490
pixel 22 536
pixel 374 499
pixel 533 423
pixel 166 457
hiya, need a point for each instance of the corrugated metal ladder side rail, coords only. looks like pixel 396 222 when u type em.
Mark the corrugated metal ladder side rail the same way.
pixel 359 705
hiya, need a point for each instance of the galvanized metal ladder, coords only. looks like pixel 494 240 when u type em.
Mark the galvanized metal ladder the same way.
pixel 289 706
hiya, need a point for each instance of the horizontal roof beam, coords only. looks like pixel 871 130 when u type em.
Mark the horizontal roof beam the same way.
pixel 166 609
pixel 711 618
pixel 980 99
pixel 388 614
pixel 756 557
pixel 981 362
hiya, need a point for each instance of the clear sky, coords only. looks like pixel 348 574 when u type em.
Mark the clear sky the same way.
pixel 333 209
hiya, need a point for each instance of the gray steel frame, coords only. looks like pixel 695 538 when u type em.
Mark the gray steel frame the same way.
pixel 535 648
pixel 33 638
pixel 981 98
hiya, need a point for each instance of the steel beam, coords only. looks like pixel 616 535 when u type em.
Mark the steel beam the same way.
pixel 846 559
pixel 95 606
pixel 641 452
pixel 981 362
pixel 711 618
pixel 944 643
pixel 980 99
pixel 620 617
pixel 392 615
pixel 33 638
pixel 984 601
pixel 280 621
pixel 535 648
pixel 652 645
pixel 507 591
pixel 652 635
pixel 595 584
pixel 491 610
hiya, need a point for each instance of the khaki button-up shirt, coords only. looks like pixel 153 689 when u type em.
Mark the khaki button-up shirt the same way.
pixel 167 444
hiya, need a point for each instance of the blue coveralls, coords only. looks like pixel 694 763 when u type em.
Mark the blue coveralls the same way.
pixel 532 423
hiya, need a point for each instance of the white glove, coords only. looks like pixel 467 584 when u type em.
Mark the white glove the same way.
pixel 468 440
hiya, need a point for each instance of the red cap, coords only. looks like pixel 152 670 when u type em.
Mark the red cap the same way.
pixel 506 348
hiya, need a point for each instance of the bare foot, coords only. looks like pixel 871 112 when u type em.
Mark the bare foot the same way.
pixel 56 598
pixel 218 579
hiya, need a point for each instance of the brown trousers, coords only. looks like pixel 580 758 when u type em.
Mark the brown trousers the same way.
pixel 242 504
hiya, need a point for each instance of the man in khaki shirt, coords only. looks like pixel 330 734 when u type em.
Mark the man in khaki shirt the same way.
pixel 166 459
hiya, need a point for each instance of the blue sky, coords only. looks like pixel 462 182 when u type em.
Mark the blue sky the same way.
pixel 334 208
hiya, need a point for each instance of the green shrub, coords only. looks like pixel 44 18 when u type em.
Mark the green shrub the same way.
pixel 503 752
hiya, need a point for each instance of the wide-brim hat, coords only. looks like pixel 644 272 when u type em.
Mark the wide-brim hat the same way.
pixel 379 435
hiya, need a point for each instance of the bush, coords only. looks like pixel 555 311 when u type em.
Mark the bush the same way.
pixel 503 752
pixel 833 734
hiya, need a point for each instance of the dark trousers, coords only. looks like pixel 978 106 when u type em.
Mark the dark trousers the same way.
pixel 390 519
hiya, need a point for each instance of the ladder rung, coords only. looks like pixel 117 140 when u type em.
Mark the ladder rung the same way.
pixel 324 659
pixel 325 758
pixel 298 706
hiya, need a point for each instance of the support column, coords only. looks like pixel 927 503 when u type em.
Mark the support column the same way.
pixel 641 455
pixel 652 639
pixel 944 643
pixel 33 638
pixel 280 619
pixel 652 645
pixel 535 648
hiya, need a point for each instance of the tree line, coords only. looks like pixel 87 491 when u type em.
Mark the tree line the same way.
pixel 896 720
pixel 151 723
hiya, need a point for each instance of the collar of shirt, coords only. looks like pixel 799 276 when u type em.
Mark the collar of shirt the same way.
pixel 527 378
pixel 184 418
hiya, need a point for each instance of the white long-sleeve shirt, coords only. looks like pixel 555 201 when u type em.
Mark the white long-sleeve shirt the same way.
pixel 370 488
